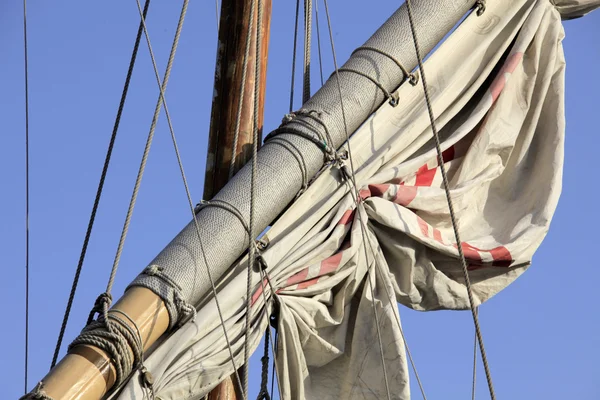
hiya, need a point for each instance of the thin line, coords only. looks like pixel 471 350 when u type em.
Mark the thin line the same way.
pixel 294 57
pixel 319 39
pixel 273 350
pixel 385 377
pixel 217 14
pixel 473 387
pixel 26 193
pixel 138 179
pixel 256 135
pixel 185 184
pixel 450 205
pixel 107 159
pixel 307 49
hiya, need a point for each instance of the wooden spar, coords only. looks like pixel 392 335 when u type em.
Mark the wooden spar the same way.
pixel 228 81
pixel 233 32
pixel 86 372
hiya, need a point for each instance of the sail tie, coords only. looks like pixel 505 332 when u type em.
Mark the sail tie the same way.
pixel 392 97
pixel 259 245
pixel 412 77
pixel 184 309
pixel 315 131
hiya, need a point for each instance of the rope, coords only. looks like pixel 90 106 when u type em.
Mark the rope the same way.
pixel 392 97
pixel 319 40
pixel 412 77
pixel 114 336
pixel 159 104
pixel 186 187
pixel 265 276
pixel 307 45
pixel 26 71
pixel 295 45
pixel 264 381
pixel 256 138
pixel 109 332
pixel 353 178
pixel 37 393
pixel 474 364
pixel 450 205
pixel 217 14
pixel 99 190
pixel 238 119
pixel 274 367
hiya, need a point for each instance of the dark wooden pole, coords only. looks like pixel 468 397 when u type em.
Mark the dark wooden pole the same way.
pixel 233 31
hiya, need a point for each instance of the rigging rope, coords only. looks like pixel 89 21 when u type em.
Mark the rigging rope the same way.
pixel 294 50
pixel 353 178
pixel 217 14
pixel 474 364
pixel 99 190
pixel 255 139
pixel 307 46
pixel 110 332
pixel 26 72
pixel 319 40
pixel 481 8
pixel 188 195
pixel 264 381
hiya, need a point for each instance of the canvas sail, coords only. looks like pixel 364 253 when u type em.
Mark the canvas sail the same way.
pixel 497 86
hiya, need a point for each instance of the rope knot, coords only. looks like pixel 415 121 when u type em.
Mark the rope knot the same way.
pixel 101 305
pixel 186 308
pixel 287 118
pixel 37 393
pixel 152 270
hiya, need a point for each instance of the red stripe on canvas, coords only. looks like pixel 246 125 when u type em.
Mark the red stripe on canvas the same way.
pixel 405 195
pixel 500 81
pixel 346 218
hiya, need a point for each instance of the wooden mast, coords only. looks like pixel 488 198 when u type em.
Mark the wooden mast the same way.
pixel 86 372
pixel 233 32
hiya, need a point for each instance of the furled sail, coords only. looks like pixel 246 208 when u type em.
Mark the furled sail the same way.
pixel 496 86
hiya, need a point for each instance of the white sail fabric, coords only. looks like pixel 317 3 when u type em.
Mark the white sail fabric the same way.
pixel 496 86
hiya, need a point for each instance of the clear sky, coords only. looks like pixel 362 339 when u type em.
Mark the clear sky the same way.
pixel 541 333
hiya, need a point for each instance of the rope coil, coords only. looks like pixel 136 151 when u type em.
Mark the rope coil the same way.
pixel 111 334
pixel 259 245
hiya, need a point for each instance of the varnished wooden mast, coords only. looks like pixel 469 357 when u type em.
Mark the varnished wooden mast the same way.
pixel 233 31
pixel 86 372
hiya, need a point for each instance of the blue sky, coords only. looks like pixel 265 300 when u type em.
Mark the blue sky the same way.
pixel 540 333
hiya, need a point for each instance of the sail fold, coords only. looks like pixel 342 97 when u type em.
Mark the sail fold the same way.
pixel 497 87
